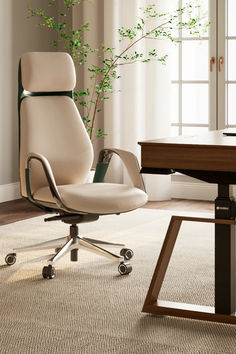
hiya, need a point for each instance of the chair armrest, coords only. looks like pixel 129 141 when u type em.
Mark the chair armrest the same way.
pixel 49 175
pixel 129 160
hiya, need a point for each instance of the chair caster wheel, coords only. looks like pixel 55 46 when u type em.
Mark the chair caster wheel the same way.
pixel 126 253
pixel 124 268
pixel 10 258
pixel 48 272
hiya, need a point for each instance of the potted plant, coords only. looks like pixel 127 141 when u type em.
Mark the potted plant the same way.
pixel 151 24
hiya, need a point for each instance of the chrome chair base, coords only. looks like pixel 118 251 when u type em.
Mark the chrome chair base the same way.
pixel 72 244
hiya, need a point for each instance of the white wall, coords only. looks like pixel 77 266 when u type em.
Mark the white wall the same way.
pixel 18 35
pixel 90 12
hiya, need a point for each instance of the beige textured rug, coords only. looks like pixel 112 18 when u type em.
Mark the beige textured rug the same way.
pixel 89 308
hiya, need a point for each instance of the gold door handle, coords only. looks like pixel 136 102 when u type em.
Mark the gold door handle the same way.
pixel 220 63
pixel 212 61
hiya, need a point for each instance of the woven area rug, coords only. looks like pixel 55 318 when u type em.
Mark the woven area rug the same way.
pixel 89 308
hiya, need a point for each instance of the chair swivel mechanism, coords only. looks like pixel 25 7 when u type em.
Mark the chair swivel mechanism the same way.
pixel 56 156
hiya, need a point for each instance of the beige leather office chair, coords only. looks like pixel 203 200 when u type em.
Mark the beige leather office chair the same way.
pixel 56 156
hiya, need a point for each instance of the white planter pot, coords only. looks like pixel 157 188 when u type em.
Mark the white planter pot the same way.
pixel 90 176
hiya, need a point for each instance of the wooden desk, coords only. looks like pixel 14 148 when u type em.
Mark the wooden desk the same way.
pixel 210 157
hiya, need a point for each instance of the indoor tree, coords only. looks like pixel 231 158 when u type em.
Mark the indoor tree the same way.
pixel 150 25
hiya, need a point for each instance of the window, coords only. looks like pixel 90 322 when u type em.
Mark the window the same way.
pixel 204 73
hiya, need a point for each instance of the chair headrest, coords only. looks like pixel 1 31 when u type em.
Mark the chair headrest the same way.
pixel 47 72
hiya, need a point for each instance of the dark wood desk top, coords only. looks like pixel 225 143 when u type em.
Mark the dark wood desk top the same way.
pixel 211 151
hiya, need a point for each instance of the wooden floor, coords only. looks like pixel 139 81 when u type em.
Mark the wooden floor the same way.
pixel 17 210
pixel 182 204
pixel 21 209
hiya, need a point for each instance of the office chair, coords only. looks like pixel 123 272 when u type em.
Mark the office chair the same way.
pixel 56 156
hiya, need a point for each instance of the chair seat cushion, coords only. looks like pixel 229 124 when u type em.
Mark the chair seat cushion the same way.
pixel 97 198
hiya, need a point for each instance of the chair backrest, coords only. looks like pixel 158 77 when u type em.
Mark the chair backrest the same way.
pixel 50 123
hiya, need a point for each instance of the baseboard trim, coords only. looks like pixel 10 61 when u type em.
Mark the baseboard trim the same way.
pixel 194 191
pixel 179 190
pixel 9 192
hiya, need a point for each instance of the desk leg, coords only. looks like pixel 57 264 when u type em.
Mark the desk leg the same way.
pixel 224 253
pixel 224 310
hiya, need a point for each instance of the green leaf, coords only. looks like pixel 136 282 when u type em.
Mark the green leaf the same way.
pixel 100 133
pixel 83 103
pixel 152 53
pixel 127 32
pixel 54 43
pixel 85 27
pixel 139 26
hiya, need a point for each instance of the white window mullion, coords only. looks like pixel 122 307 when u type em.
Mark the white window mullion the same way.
pixel 180 89
pixel 180 77
pixel 213 109
pixel 222 88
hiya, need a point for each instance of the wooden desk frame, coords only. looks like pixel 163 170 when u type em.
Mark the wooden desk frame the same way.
pixel 155 306
pixel 210 157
